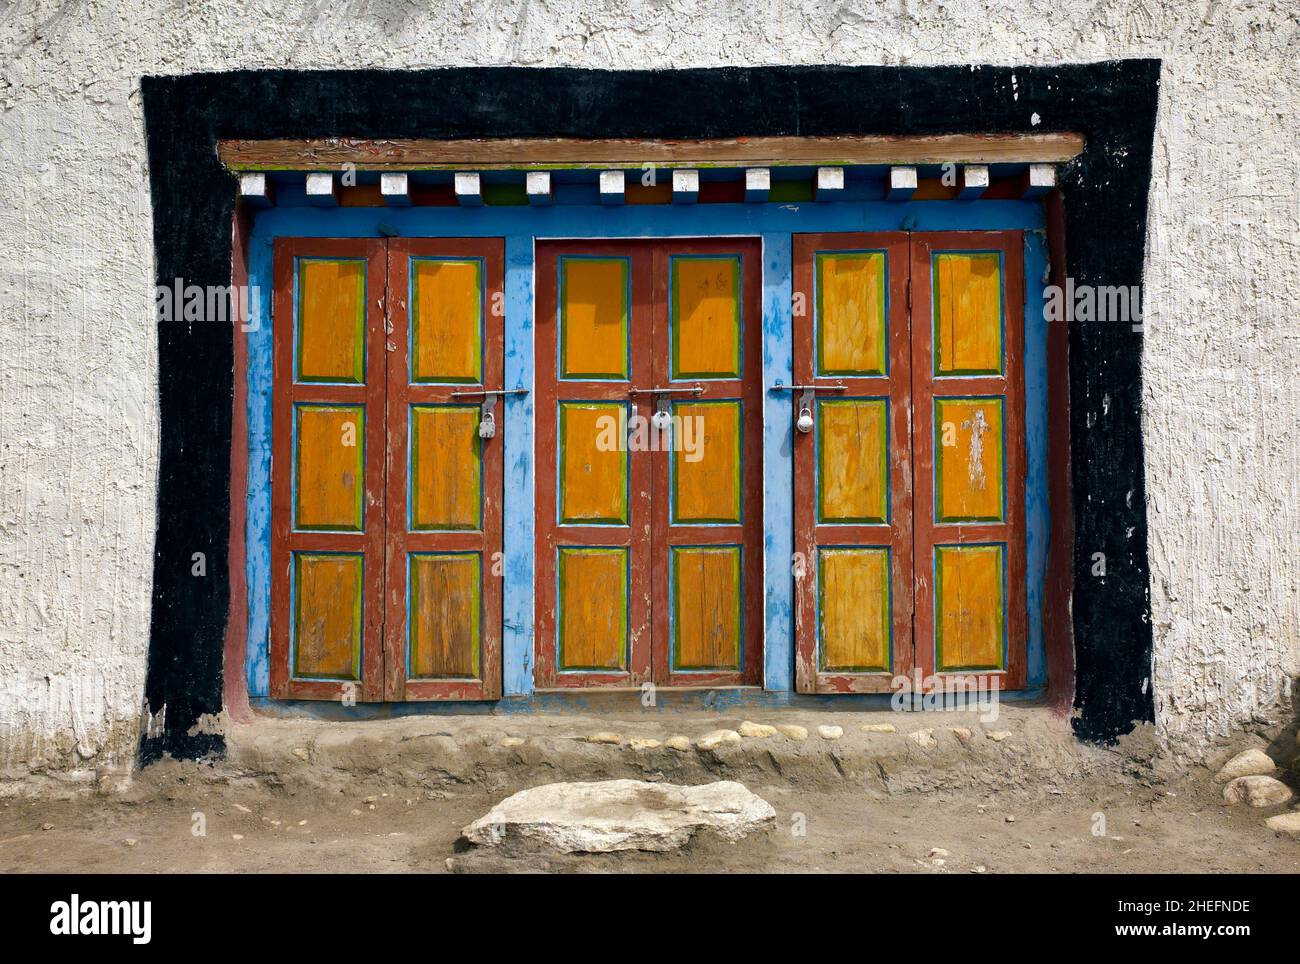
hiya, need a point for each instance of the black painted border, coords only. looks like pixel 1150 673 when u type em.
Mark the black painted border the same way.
pixel 1113 104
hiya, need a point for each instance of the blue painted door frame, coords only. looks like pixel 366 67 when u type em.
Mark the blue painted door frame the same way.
pixel 577 215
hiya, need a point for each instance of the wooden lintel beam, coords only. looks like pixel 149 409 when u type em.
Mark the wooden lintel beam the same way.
pixel 605 154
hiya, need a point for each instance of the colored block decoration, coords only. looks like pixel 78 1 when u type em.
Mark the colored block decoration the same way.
pixel 444 619
pixel 594 300
pixel 852 327
pixel 969 443
pixel 853 460
pixel 447 320
pixel 853 610
pixel 968 322
pixel 446 471
pixel 593 463
pixel 593 606
pixel 705 318
pixel 970 607
pixel 706 608
pixel 706 462
pixel 327 600
pixel 329 467
pixel 330 330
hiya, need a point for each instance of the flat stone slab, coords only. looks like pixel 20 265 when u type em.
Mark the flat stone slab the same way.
pixel 615 815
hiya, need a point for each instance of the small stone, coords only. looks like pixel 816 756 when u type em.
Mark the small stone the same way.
pixel 937 852
pixel 962 734
pixel 605 736
pixel 1009 819
pixel 236 836
pixel 47 826
pixel 1257 791
pixel 830 731
pixel 879 728
pixel 371 799
pixel 509 741
pixel 1252 762
pixel 643 744
pixel 300 752
pixel 1285 823
pixel 302 823
pixel 979 868
pixel 756 731
pixel 715 739
pixel 130 841
pixel 924 738
pixel 356 813
pixel 678 742
pixel 792 731
pixel 997 736
pixel 242 809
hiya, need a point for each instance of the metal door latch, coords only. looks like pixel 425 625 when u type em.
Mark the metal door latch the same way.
pixel 487 424
pixel 804 420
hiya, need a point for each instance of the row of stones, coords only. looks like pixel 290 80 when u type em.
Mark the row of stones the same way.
pixel 762 731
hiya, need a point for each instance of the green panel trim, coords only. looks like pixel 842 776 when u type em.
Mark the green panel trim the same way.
pixel 998 431
pixel 358 352
pixel 738 573
pixel 795 189
pixel 739 448
pixel 359 467
pixel 413 337
pixel 505 195
pixel 564 373
pixel 939 550
pixel 937 343
pixel 413 459
pixel 887 613
pixel 359 595
pixel 819 441
pixel 476 607
pixel 622 518
pixel 882 311
pixel 675 314
pixel 624 598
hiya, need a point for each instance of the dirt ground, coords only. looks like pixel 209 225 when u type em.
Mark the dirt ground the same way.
pixel 392 796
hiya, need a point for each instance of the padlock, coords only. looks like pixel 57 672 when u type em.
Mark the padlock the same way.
pixel 487 426
pixel 805 422
pixel 661 421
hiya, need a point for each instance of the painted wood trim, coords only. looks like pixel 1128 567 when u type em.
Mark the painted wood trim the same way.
pixel 487 540
pixel 284 540
pixel 809 534
pixel 330 154
pixel 234 683
pixel 925 388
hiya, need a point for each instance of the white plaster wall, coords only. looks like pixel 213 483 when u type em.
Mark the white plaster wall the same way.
pixel 78 416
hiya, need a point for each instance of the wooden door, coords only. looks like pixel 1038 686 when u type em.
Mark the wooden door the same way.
pixel 386 503
pixel 327 469
pixel 853 470
pixel 909 489
pixel 968 388
pixel 708 504
pixel 443 614
pixel 649 556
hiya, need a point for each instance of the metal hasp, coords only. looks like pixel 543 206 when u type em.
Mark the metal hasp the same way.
pixel 804 420
pixel 487 424
pixel 662 418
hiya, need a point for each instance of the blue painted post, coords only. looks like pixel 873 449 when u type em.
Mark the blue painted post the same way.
pixel 517 541
pixel 778 465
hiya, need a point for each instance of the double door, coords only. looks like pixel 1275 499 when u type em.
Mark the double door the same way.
pixel 909 464
pixel 385 496
pixel 649 515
